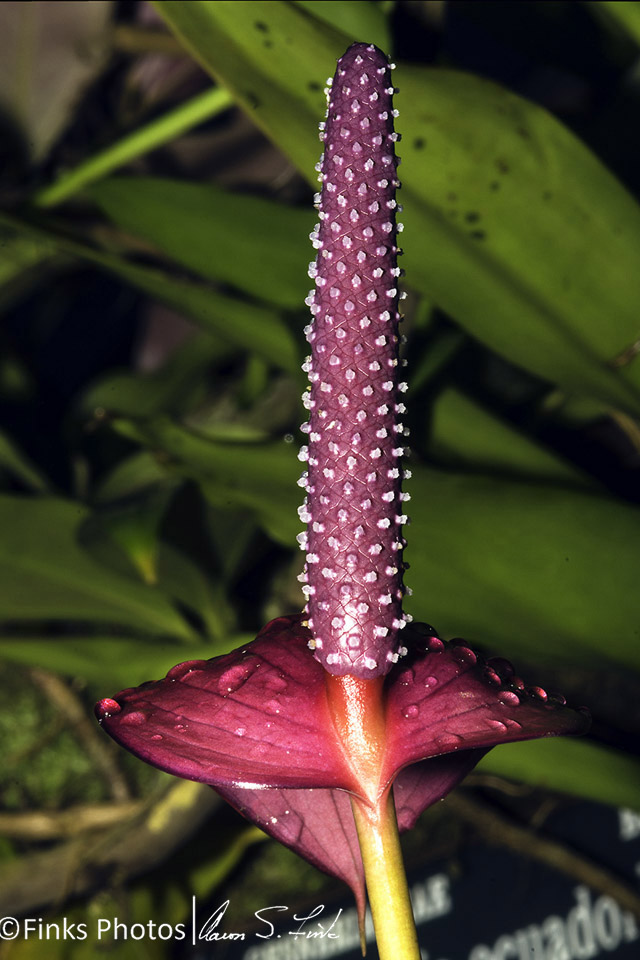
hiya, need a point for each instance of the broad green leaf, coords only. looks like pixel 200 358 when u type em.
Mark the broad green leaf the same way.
pixel 49 55
pixel 624 13
pixel 15 461
pixel 45 573
pixel 109 661
pixel 361 20
pixel 526 569
pixel 571 765
pixel 133 474
pixel 126 537
pixel 280 84
pixel 176 387
pixel 243 241
pixel 463 435
pixel 180 578
pixel 236 321
pixel 260 477
pixel 250 326
pixel 513 226
pixel 518 231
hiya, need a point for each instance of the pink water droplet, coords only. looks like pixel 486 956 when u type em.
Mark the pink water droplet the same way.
pixel 235 677
pixel 180 727
pixel 435 644
pixel 181 670
pixel 411 711
pixel 272 706
pixel 492 677
pixel 134 718
pixel 513 725
pixel 509 698
pixel 462 652
pixel 498 726
pixel 537 692
pixel 407 677
pixel 556 700
pixel 449 741
pixel 276 683
pixel 107 708
pixel 157 736
pixel 431 682
pixel 504 668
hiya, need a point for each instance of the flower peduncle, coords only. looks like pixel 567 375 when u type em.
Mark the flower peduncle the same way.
pixel 354 505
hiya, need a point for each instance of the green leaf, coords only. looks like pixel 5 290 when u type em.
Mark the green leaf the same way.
pixel 246 242
pixel 517 230
pixel 624 13
pixel 463 435
pixel 260 477
pixel 513 226
pixel 278 83
pixel 237 322
pixel 180 578
pixel 45 574
pixel 573 766
pixel 250 326
pixel 361 20
pixel 109 662
pixel 526 569
pixel 133 474
pixel 15 461
pixel 177 386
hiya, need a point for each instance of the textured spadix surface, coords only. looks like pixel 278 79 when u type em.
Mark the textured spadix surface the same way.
pixel 353 508
pixel 256 723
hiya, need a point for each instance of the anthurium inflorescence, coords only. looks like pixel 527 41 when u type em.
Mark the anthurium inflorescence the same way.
pixel 312 728
pixel 354 504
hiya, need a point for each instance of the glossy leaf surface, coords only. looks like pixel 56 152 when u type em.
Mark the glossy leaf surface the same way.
pixel 204 228
pixel 537 570
pixel 498 198
pixel 39 531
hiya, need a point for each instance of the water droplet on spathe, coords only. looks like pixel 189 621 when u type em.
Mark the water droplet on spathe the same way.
pixel 181 670
pixel 406 677
pixel 498 726
pixel 537 692
pixel 235 677
pixel 492 677
pixel 157 736
pixel 463 653
pixel 411 711
pixel 180 727
pixel 449 741
pixel 504 668
pixel 276 683
pixel 509 698
pixel 107 708
pixel 272 706
pixel 431 682
pixel 134 718
pixel 240 731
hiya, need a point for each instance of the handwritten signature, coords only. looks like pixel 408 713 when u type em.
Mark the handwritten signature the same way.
pixel 306 927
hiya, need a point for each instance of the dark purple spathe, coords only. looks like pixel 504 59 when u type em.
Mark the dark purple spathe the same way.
pixel 354 503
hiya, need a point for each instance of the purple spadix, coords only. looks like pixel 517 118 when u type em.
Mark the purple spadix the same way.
pixel 354 503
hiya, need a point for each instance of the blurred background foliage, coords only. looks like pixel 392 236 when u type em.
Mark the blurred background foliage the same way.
pixel 156 200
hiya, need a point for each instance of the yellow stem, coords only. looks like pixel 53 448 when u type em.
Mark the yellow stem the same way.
pixel 386 879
